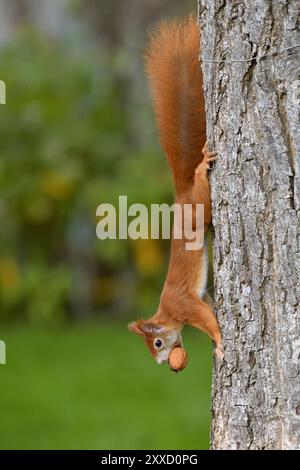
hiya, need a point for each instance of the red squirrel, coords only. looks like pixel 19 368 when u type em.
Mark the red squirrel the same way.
pixel 176 80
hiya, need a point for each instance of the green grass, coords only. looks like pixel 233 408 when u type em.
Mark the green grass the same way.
pixel 96 387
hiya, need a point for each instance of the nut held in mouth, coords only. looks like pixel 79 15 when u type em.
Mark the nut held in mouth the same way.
pixel 178 359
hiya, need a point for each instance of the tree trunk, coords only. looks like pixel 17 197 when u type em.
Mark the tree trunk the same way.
pixel 253 122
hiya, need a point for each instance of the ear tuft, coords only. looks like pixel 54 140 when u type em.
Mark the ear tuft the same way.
pixel 135 327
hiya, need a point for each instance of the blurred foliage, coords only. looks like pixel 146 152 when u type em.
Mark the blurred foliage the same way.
pixel 78 131
pixel 66 147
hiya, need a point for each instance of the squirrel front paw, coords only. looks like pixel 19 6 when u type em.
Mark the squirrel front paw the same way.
pixel 208 158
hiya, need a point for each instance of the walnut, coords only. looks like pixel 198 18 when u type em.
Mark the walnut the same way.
pixel 178 359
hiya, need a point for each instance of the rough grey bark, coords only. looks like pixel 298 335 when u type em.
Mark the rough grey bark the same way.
pixel 253 111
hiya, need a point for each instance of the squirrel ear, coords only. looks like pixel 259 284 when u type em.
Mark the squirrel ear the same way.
pixel 135 327
pixel 152 328
pixel 142 327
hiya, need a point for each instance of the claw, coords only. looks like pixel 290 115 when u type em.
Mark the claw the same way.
pixel 208 158
pixel 212 154
pixel 205 148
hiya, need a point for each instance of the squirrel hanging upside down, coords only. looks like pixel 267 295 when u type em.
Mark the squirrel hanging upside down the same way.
pixel 176 80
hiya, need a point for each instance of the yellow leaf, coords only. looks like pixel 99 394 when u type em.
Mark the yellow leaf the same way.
pixel 9 274
pixel 56 185
pixel 148 256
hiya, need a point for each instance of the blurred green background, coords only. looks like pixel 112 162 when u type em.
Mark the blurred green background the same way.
pixel 77 131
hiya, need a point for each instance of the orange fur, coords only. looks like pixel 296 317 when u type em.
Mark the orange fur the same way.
pixel 176 80
pixel 175 77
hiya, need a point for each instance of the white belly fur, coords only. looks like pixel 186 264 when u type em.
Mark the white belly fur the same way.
pixel 203 270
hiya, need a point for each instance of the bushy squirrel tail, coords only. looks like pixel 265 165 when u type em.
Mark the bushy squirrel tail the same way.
pixel 173 68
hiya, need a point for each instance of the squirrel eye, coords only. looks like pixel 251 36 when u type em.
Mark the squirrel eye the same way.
pixel 158 343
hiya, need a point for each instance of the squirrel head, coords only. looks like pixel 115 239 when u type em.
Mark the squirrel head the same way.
pixel 160 339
